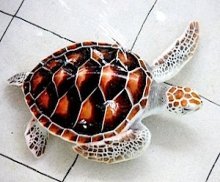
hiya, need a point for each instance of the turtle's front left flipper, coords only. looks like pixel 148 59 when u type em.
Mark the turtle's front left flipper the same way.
pixel 36 138
pixel 173 60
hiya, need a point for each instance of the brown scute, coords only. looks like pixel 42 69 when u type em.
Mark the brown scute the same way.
pixel 97 56
pixel 183 103
pixel 195 101
pixel 171 99
pixel 128 59
pixel 97 138
pixel 64 80
pixel 39 81
pixel 67 109
pixel 74 46
pixel 26 86
pixel 143 103
pixel 44 121
pixel 133 112
pixel 84 139
pixel 55 129
pixel 113 80
pixel 54 64
pixel 59 52
pixel 35 111
pixel 147 89
pixel 47 100
pixel 60 76
pixel 45 60
pixel 136 84
pixel 195 95
pixel 187 95
pixel 62 107
pixel 91 115
pixel 187 89
pixel 87 111
pixel 78 57
pixel 120 128
pixel 109 134
pixel 101 44
pixel 176 104
pixel 178 94
pixel 29 99
pixel 172 89
pixel 43 100
pixel 117 111
pixel 69 135
pixel 88 78
pixel 143 65
pixel 108 53
pixel 89 43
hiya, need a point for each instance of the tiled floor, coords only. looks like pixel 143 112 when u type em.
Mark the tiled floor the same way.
pixel 182 149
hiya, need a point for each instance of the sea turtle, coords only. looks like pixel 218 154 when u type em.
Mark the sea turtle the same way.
pixel 95 96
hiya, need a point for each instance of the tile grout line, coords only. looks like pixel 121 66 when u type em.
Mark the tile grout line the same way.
pixel 68 171
pixel 31 168
pixel 38 26
pixel 11 20
pixel 152 7
pixel 212 168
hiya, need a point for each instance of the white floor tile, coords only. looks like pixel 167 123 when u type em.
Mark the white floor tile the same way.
pixel 89 20
pixel 182 149
pixel 4 21
pixel 11 171
pixel 21 49
pixel 10 6
pixel 215 177
pixel 167 21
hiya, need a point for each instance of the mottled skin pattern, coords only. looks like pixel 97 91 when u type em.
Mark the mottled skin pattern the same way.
pixel 181 99
pixel 175 57
pixel 95 95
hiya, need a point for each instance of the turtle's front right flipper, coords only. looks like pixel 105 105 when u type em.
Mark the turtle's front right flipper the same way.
pixel 36 138
pixel 17 79
pixel 173 60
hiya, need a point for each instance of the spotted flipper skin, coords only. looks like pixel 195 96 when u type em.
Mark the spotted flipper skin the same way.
pixel 36 138
pixel 17 79
pixel 126 146
pixel 172 61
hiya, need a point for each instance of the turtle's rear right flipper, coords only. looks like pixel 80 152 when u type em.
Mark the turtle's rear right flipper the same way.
pixel 17 79
pixel 173 60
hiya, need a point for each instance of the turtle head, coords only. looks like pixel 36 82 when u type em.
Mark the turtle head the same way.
pixel 182 100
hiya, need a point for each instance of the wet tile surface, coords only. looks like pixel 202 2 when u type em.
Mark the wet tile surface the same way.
pixel 4 19
pixel 10 6
pixel 90 20
pixel 214 176
pixel 10 171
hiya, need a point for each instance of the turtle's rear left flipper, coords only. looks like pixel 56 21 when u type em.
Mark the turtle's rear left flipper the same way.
pixel 174 58
pixel 36 138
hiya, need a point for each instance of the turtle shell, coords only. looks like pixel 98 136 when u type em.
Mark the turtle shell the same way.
pixel 88 91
